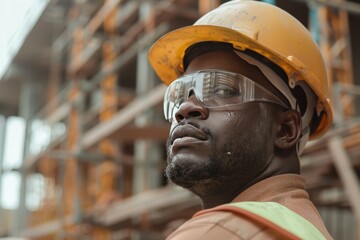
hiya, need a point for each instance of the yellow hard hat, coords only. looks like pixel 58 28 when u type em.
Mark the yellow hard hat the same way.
pixel 261 28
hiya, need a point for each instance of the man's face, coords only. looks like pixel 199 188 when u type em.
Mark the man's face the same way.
pixel 208 149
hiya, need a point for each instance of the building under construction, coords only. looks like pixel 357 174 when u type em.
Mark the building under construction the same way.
pixel 90 135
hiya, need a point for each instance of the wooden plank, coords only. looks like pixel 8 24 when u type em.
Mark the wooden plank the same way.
pixel 127 14
pixel 149 201
pixel 100 16
pixel 60 113
pixel 82 61
pixel 132 132
pixel 123 117
pixel 348 128
pixel 32 160
pixel 143 203
pixel 45 229
pixel 129 54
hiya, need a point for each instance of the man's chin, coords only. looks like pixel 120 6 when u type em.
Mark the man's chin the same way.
pixel 201 187
pixel 189 182
pixel 191 174
pixel 183 184
pixel 179 179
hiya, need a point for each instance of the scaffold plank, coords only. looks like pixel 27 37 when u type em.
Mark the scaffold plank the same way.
pixel 123 117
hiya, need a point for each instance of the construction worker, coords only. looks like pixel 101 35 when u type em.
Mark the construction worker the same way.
pixel 247 88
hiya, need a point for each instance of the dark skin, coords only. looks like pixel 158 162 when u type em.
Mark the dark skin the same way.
pixel 218 154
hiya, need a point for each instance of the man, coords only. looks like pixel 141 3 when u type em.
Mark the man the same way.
pixel 247 88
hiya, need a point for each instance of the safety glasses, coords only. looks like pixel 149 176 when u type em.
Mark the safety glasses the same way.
pixel 217 90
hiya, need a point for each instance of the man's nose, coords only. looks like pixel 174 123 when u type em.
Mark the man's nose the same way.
pixel 191 108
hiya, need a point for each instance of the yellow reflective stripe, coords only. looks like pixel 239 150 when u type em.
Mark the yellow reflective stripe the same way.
pixel 283 217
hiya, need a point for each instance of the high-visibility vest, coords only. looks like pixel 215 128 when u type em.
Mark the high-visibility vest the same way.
pixel 275 216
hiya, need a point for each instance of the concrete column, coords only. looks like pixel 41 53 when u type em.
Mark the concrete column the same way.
pixel 2 135
pixel 29 104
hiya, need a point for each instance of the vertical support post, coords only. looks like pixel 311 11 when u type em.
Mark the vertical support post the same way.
pixel 324 41
pixel 2 136
pixel 273 2
pixel 336 49
pixel 28 107
pixel 314 21
pixel 345 54
pixel 54 79
pixel 70 165
pixel 142 86
pixel 71 197
pixel 107 170
pixel 347 175
pixel 207 5
pixel 146 153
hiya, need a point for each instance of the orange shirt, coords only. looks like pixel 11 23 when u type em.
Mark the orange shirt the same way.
pixel 287 190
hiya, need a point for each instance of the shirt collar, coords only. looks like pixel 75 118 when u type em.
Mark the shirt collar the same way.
pixel 274 188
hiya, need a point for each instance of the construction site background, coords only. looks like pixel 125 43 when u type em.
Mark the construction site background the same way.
pixel 82 133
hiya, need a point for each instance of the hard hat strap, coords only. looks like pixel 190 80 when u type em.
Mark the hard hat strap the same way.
pixel 274 79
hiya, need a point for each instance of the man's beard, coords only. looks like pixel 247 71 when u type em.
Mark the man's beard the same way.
pixel 241 159
pixel 187 174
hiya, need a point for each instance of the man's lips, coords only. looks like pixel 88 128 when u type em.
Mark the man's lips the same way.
pixel 184 134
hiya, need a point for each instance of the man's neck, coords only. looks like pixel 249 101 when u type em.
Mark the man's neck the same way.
pixel 215 192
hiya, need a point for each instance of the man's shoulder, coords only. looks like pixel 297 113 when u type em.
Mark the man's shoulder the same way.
pixel 222 225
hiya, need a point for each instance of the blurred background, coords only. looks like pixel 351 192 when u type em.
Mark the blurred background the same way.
pixel 82 134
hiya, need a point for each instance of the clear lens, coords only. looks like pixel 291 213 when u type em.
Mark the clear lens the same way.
pixel 215 89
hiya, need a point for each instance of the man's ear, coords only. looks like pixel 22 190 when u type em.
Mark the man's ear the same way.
pixel 289 129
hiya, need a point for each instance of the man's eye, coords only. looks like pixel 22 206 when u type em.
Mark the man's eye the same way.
pixel 226 92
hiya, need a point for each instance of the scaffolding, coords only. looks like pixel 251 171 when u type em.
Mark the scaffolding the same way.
pixel 103 164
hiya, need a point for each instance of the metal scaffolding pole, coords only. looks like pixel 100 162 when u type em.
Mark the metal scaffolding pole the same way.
pixel 28 108
pixel 347 175
pixel 2 136
pixel 107 171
